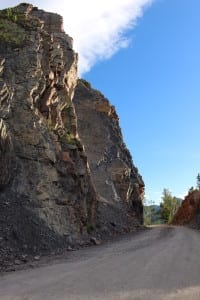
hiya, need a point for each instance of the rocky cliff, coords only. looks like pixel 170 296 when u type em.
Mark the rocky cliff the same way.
pixel 117 181
pixel 48 198
pixel 189 211
pixel 46 194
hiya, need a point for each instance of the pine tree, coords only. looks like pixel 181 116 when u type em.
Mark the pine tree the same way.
pixel 198 181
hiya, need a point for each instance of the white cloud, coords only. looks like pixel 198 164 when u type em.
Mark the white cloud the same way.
pixel 98 27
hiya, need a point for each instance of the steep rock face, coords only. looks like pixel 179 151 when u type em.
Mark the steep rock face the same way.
pixel 189 211
pixel 117 181
pixel 48 198
pixel 46 194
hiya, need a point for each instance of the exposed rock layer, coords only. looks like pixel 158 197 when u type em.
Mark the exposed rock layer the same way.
pixel 117 181
pixel 46 190
pixel 189 211
pixel 47 196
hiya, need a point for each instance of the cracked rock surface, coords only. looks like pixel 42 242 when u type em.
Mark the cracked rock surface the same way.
pixel 117 181
pixel 46 194
pixel 56 188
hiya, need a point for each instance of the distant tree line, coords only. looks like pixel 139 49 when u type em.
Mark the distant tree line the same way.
pixel 168 206
pixel 154 214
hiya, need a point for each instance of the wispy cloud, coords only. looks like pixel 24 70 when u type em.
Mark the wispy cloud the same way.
pixel 98 27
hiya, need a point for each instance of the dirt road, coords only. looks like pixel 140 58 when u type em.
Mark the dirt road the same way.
pixel 161 263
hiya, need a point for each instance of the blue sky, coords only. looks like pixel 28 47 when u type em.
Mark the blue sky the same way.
pixel 155 86
pixel 144 56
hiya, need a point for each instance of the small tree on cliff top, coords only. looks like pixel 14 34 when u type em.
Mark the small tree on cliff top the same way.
pixel 198 181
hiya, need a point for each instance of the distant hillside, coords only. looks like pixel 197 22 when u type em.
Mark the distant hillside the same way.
pixel 152 214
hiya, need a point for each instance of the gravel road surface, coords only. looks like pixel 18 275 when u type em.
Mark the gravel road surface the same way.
pixel 159 263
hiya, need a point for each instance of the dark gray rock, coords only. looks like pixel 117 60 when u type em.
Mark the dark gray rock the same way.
pixel 48 198
pixel 116 179
pixel 46 190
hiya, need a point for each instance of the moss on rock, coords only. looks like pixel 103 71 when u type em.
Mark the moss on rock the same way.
pixel 11 33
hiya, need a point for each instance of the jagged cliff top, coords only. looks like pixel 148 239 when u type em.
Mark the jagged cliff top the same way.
pixel 16 21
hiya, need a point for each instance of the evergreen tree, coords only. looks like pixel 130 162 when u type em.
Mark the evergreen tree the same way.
pixel 198 181
pixel 191 190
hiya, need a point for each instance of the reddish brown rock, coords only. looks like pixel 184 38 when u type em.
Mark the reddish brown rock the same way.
pixel 189 211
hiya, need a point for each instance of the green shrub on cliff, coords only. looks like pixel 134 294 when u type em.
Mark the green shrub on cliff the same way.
pixel 11 33
pixel 11 15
